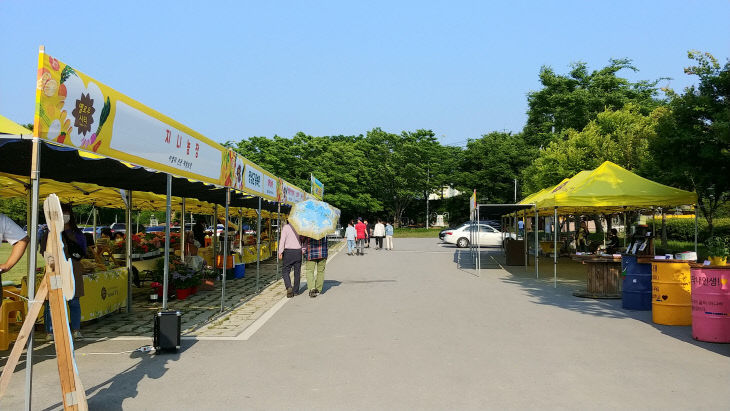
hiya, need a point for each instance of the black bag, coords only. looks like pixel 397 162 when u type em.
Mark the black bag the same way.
pixel 167 331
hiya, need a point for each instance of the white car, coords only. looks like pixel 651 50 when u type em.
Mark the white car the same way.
pixel 461 236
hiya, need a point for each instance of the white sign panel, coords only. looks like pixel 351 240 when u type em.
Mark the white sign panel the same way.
pixel 143 136
pixel 291 194
pixel 270 186
pixel 253 179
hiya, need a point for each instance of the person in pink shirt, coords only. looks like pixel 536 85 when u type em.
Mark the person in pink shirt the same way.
pixel 361 234
pixel 290 252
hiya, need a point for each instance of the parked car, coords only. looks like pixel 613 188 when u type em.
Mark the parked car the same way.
pixel 492 223
pixel 90 230
pixel 118 227
pixel 488 235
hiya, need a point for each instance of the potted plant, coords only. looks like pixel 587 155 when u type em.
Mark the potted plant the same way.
pixel 718 249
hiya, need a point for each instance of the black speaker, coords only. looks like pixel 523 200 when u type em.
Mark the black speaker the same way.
pixel 167 331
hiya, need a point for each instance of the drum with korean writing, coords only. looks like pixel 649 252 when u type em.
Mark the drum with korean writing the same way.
pixel 636 289
pixel 670 295
pixel 711 304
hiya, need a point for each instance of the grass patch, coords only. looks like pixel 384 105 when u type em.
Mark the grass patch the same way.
pixel 674 246
pixel 416 232
pixel 21 269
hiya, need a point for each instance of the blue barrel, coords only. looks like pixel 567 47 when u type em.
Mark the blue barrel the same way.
pixel 636 287
pixel 239 270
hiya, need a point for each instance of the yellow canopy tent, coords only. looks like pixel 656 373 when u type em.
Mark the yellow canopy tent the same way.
pixel 611 188
pixel 8 126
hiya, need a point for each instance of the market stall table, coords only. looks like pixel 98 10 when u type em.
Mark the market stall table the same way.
pixel 603 276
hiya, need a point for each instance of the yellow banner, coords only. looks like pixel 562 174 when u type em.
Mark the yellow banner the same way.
pixel 241 174
pixel 104 292
pixel 78 111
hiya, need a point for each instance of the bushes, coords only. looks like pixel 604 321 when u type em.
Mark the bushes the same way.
pixel 683 229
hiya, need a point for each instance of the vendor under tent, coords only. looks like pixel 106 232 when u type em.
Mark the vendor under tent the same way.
pixel 86 132
pixel 607 189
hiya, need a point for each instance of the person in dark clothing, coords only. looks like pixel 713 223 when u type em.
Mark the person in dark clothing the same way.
pixel 369 228
pixel 612 245
pixel 199 232
pixel 74 243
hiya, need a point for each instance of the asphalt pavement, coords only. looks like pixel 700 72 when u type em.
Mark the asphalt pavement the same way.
pixel 413 328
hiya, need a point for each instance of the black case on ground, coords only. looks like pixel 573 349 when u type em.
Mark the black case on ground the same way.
pixel 167 331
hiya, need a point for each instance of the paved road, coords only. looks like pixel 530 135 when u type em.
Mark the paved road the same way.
pixel 408 329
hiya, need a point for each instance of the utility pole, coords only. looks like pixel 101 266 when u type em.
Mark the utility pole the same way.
pixel 428 185
pixel 515 191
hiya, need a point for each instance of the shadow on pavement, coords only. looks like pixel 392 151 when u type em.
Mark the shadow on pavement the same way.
pixel 572 278
pixel 329 284
pixel 110 394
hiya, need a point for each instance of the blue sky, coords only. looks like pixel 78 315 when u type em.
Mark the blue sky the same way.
pixel 231 70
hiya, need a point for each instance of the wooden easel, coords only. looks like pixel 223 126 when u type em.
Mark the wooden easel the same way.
pixel 57 286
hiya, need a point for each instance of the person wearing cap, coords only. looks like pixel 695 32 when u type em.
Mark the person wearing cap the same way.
pixel 13 234
pixel 361 231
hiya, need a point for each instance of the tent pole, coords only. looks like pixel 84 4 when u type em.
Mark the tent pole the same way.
pixel 130 267
pixel 35 175
pixel 536 230
pixel 555 250
pixel 524 236
pixel 479 248
pixel 278 233
pixel 168 220
pixel 215 235
pixel 225 247
pixel 93 221
pixel 258 247
pixel 182 230
pixel 240 233
pixel 626 229
pixel 695 207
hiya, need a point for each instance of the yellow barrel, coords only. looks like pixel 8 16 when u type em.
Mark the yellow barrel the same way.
pixel 265 254
pixel 671 298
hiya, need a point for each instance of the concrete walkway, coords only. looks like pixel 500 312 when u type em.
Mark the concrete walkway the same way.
pixel 408 329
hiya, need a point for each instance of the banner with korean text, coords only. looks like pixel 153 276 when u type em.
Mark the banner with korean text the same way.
pixel 291 194
pixel 76 110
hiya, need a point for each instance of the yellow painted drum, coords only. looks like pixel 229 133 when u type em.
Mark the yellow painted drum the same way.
pixel 671 298
pixel 249 254
pixel 265 253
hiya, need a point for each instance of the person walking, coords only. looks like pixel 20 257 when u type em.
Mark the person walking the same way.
pixel 369 233
pixel 350 236
pixel 315 254
pixel 290 254
pixel 379 234
pixel 361 235
pixel 388 236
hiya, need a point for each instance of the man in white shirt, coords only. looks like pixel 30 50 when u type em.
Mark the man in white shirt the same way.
pixel 13 234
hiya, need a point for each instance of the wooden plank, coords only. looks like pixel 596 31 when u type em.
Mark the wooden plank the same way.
pixel 30 319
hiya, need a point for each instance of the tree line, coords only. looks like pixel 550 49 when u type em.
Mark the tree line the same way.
pixel 576 121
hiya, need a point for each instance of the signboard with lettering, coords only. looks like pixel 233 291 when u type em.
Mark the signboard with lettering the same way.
pixel 76 110
pixel 291 194
pixel 270 186
pixel 253 180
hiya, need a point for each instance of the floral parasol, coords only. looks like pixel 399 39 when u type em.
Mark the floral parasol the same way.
pixel 314 218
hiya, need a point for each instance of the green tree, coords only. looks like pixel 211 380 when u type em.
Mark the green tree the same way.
pixel 692 146
pixel 571 101
pixel 621 136
pixel 491 163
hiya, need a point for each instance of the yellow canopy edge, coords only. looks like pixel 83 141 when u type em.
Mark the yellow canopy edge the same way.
pixel 8 126
pixel 612 187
